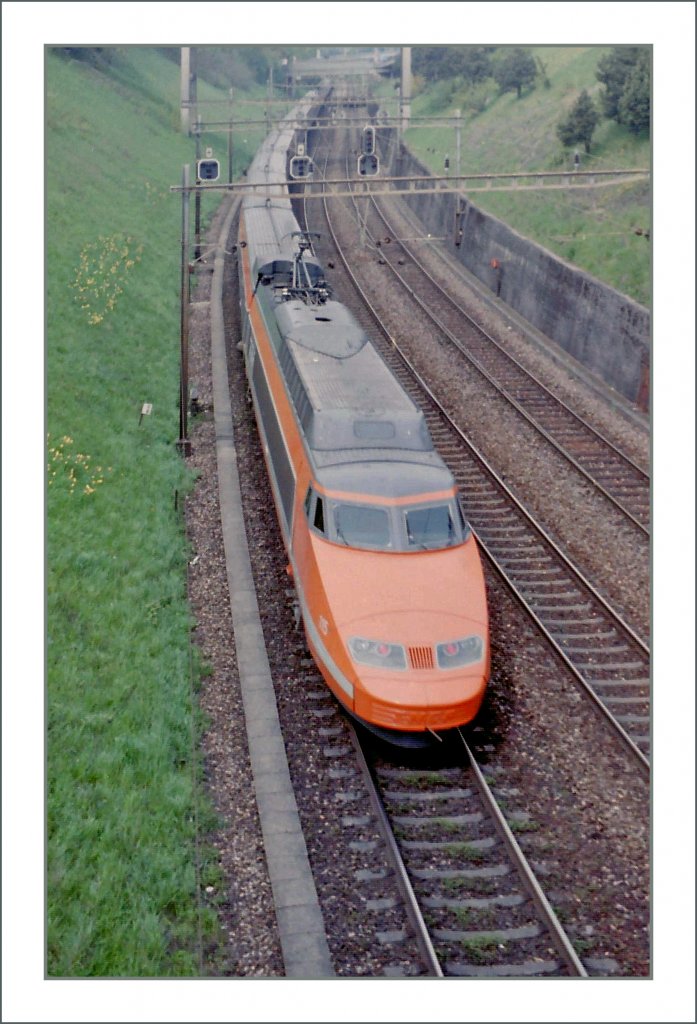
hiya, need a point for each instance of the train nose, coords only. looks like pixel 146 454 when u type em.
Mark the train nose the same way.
pixel 420 697
pixel 415 676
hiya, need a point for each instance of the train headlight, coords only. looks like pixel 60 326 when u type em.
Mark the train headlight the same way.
pixel 378 653
pixel 457 653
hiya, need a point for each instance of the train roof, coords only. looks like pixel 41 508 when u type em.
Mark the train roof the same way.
pixel 363 430
pixel 351 400
pixel 269 163
pixel 271 224
pixel 272 237
pixel 383 473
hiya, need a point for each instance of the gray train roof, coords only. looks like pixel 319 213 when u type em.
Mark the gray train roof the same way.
pixel 273 244
pixel 269 163
pixel 270 238
pixel 271 221
pixel 383 472
pixel 364 432
pixel 353 401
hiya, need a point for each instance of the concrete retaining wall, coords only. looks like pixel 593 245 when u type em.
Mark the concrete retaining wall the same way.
pixel 607 332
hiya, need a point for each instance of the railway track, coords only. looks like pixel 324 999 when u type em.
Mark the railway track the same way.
pixel 475 904
pixel 447 885
pixel 608 660
pixel 625 484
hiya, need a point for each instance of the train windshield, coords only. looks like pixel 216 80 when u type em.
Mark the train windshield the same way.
pixel 431 527
pixel 362 526
pixel 397 528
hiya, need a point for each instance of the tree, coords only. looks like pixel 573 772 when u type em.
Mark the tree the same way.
pixel 437 62
pixel 543 73
pixel 614 71
pixel 475 63
pixel 95 56
pixel 514 69
pixel 580 124
pixel 635 102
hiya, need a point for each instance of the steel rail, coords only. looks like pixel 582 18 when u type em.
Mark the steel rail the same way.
pixel 559 937
pixel 402 876
pixel 544 910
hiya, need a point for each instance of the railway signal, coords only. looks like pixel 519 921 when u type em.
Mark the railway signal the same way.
pixel 208 170
pixel 368 164
pixel 300 167
pixel 459 221
pixel 368 140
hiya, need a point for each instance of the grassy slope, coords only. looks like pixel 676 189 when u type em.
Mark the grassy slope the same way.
pixel 121 792
pixel 595 228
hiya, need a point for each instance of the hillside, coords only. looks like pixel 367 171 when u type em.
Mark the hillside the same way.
pixel 126 853
pixel 595 228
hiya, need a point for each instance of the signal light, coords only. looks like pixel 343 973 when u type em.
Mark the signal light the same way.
pixel 368 142
pixel 300 167
pixel 208 170
pixel 368 164
pixel 459 222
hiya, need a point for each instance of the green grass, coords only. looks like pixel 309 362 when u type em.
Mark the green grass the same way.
pixel 521 825
pixel 480 949
pixel 594 228
pixel 466 852
pixel 127 823
pixel 422 780
pixel 447 824
pixel 457 886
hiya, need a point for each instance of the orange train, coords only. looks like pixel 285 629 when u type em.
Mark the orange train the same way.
pixel 388 575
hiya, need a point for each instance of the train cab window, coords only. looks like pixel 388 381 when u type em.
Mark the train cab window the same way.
pixel 318 521
pixel 431 527
pixel 465 526
pixel 362 526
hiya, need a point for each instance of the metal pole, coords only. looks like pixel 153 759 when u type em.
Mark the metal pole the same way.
pixel 229 144
pixel 194 77
pixel 458 140
pixel 185 84
pixel 406 87
pixel 269 100
pixel 183 443
pixel 197 201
